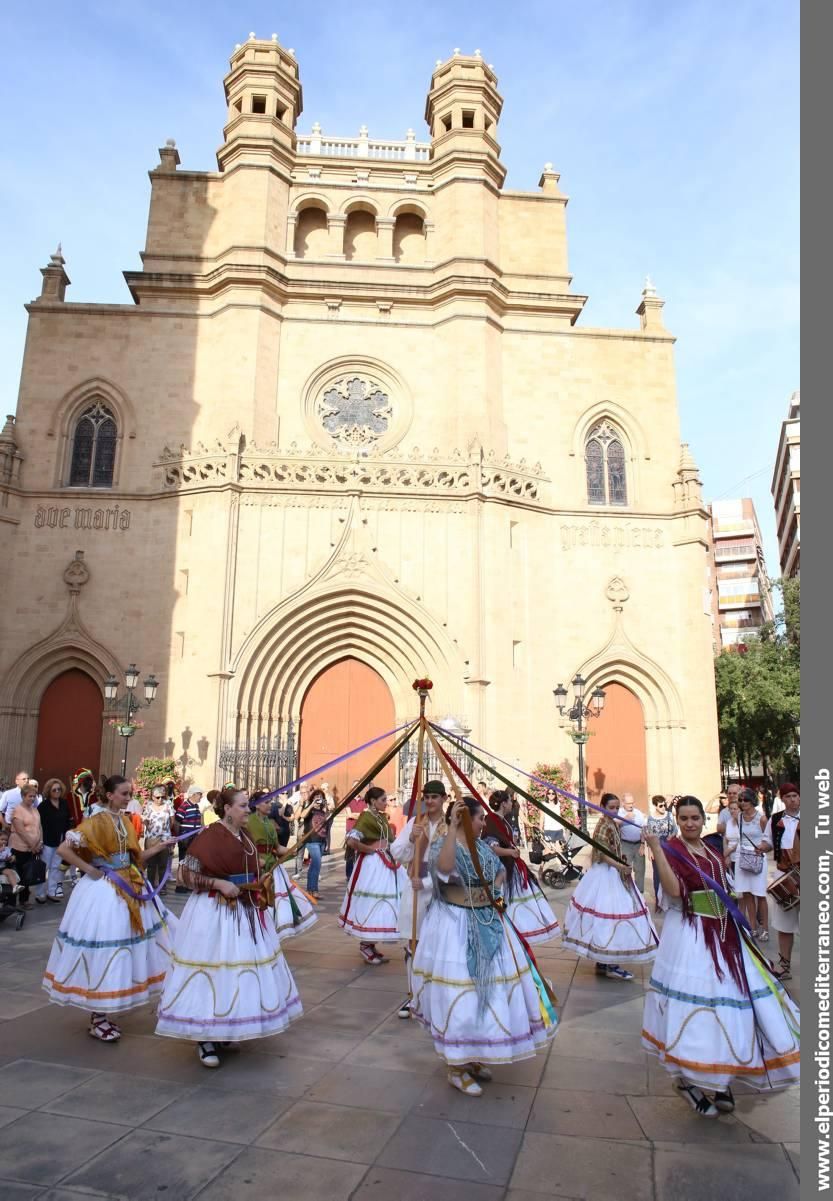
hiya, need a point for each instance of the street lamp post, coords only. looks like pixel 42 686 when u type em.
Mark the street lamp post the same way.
pixel 130 703
pixel 579 714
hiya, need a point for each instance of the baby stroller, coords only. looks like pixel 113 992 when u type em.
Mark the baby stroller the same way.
pixel 8 903
pixel 565 870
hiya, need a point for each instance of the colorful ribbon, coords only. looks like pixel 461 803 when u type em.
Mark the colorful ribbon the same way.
pixel 669 850
pixel 333 762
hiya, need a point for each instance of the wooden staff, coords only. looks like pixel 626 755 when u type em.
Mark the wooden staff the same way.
pixel 415 869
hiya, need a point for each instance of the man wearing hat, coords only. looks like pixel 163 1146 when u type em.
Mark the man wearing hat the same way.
pixel 414 842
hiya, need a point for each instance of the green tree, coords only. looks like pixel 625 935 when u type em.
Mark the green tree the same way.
pixel 759 692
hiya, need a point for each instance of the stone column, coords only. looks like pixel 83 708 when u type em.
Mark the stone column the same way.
pixel 384 239
pixel 335 235
pixel 291 222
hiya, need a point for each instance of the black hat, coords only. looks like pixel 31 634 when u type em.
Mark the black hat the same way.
pixel 434 788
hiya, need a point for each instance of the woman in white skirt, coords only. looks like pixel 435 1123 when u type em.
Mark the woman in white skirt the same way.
pixel 370 909
pixel 476 990
pixel 745 847
pixel 607 920
pixel 228 980
pixel 714 1012
pixel 293 910
pixel 526 906
pixel 111 951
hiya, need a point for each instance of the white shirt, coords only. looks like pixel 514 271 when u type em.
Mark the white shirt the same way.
pixel 630 833
pixel 10 800
pixel 402 849
pixel 752 833
pixel 791 821
pixel 549 822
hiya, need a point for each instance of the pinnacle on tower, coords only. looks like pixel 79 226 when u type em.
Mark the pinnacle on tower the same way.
pixel 55 279
pixel 650 307
pixel 264 97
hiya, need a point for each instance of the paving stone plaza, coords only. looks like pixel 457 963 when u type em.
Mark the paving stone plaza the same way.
pixel 352 1103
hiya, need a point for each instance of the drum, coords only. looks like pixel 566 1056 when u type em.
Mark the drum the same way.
pixel 786 890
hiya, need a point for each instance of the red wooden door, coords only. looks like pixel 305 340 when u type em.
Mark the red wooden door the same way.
pixel 69 727
pixel 615 754
pixel 347 705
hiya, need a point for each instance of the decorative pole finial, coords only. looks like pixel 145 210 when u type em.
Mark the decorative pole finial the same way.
pixel 423 687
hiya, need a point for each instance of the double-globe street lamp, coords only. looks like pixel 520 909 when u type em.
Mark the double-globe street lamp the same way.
pixel 130 703
pixel 578 714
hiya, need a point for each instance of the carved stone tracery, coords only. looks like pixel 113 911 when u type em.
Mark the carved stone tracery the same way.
pixel 354 411
pixel 417 472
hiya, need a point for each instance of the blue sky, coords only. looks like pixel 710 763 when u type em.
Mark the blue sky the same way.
pixel 673 125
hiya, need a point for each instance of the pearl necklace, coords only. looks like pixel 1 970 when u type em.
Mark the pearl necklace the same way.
pixel 718 909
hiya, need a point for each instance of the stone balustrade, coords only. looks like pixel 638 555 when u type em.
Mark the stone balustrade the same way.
pixel 294 469
pixel 409 150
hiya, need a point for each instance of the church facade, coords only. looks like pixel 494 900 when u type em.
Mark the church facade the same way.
pixel 352 431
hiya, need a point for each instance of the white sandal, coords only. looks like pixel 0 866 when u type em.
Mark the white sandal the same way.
pixel 479 1071
pixel 102 1029
pixel 464 1082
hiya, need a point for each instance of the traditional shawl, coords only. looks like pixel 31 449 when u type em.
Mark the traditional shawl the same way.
pixel 716 934
pixel 371 826
pixel 264 834
pixel 220 855
pixel 96 838
pixel 216 854
pixel 607 833
pixel 484 926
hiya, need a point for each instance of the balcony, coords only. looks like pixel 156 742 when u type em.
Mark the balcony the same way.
pixel 733 529
pixel 735 554
pixel 407 151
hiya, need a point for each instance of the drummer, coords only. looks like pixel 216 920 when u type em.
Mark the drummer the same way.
pixel 782 833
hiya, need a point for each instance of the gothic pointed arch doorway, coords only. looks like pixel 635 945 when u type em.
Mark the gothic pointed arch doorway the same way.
pixel 347 704
pixel 616 754
pixel 69 727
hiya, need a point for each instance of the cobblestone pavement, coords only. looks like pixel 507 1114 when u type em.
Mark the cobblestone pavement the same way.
pixel 351 1102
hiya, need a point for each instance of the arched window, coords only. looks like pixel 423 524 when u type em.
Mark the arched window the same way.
pixel 604 456
pixel 93 448
pixel 409 238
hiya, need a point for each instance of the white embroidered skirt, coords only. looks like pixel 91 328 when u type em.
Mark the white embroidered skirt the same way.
pixel 709 1031
pixel 98 962
pixel 531 913
pixel 226 982
pixel 511 1026
pixel 607 921
pixel 292 916
pixel 370 909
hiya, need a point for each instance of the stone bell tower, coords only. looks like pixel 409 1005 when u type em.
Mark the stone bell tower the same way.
pixel 462 110
pixel 263 93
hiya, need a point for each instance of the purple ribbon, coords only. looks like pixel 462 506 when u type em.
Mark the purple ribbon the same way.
pixel 114 878
pixel 669 850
